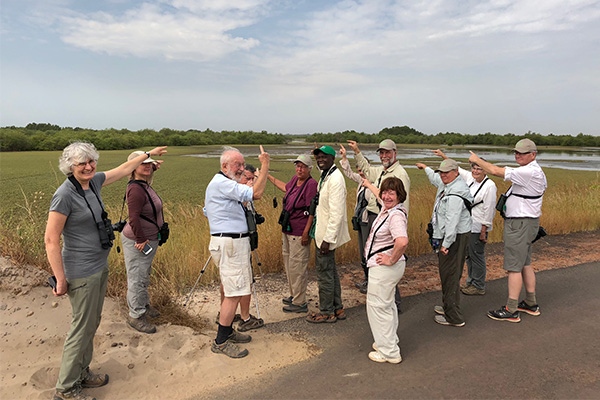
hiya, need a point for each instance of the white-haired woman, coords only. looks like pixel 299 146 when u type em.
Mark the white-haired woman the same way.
pixel 140 241
pixel 81 268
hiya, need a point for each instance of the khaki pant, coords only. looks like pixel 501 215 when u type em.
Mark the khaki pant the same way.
pixel 381 307
pixel 87 298
pixel 295 261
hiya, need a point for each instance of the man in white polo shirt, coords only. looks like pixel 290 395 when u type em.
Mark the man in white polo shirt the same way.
pixel 521 224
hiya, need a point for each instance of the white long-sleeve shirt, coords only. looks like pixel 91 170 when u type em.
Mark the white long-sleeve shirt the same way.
pixel 483 213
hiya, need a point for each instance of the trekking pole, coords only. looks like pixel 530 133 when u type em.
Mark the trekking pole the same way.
pixel 258 261
pixel 254 287
pixel 197 280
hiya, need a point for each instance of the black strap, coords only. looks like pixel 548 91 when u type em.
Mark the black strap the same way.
pixel 81 192
pixel 477 191
pixel 467 203
pixel 523 196
pixel 297 197
pixel 141 183
pixel 371 252
pixel 378 186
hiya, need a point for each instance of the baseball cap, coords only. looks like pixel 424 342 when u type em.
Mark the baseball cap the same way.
pixel 137 154
pixel 447 165
pixel 304 159
pixel 324 149
pixel 387 144
pixel 525 146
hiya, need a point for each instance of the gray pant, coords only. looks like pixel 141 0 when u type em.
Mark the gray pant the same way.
pixel 139 266
pixel 87 299
pixel 451 266
pixel 330 290
pixel 476 268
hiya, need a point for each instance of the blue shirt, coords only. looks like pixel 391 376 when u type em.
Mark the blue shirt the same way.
pixel 223 206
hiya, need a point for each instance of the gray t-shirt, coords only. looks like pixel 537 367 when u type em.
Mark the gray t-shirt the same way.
pixel 82 252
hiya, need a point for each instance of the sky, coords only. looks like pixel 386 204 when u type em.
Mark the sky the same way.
pixel 299 66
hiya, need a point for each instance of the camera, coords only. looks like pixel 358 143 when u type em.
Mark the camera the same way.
pixel 118 227
pixel 313 205
pixel 259 218
pixel 105 230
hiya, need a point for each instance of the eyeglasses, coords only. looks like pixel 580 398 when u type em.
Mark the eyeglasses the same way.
pixel 83 164
pixel 521 154
pixel 476 168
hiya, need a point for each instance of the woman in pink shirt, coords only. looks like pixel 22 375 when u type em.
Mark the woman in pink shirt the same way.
pixel 384 252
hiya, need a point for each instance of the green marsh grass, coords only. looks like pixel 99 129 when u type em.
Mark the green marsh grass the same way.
pixel 28 179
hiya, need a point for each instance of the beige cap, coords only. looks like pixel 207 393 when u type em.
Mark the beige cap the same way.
pixel 447 165
pixel 525 146
pixel 387 144
pixel 304 159
pixel 137 154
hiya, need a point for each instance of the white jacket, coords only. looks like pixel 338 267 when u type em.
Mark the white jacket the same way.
pixel 332 223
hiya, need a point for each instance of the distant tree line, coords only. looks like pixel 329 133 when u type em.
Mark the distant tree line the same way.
pixel 43 136
pixel 407 135
pixel 53 137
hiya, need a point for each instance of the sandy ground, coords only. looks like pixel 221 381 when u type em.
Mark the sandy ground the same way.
pixel 176 362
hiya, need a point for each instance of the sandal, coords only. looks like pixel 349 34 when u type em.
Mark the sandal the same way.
pixel 252 323
pixel 340 314
pixel 318 318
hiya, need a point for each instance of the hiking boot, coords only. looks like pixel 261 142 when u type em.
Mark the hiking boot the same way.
pixel 252 323
pixel 362 286
pixel 92 380
pixel 380 358
pixel 441 319
pixel 141 324
pixel 287 300
pixel 74 393
pixel 504 315
pixel 236 318
pixel 228 348
pixel 237 337
pixel 318 318
pixel 292 308
pixel 340 314
pixel 151 312
pixel 531 310
pixel 438 310
pixel 473 291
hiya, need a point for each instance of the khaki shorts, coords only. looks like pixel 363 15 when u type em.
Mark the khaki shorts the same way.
pixel 232 256
pixel 518 235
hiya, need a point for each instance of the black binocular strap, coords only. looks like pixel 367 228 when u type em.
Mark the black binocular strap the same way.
pixel 151 203
pixel 81 192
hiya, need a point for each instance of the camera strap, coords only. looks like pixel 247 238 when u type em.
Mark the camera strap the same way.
pixel 298 196
pixel 371 252
pixel 81 192
pixel 477 191
pixel 155 222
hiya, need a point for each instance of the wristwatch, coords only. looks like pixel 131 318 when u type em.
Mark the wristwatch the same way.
pixel 147 153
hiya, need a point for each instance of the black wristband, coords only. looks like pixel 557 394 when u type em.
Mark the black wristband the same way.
pixel 147 153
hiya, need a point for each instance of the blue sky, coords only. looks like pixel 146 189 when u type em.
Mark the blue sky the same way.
pixel 289 66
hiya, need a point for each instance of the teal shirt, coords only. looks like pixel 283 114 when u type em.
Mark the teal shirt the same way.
pixel 450 216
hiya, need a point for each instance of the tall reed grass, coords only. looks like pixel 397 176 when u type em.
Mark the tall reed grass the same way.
pixel 571 203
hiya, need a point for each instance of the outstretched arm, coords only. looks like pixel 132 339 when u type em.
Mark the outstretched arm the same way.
pixel 128 167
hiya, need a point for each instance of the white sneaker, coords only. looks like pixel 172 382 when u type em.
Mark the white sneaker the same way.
pixel 440 319
pixel 380 358
pixel 375 347
pixel 438 310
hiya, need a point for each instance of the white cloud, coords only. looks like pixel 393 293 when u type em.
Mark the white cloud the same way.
pixel 193 30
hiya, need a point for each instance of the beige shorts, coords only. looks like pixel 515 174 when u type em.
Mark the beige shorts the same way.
pixel 518 235
pixel 232 257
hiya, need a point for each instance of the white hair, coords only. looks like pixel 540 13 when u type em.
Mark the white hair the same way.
pixel 76 152
pixel 227 153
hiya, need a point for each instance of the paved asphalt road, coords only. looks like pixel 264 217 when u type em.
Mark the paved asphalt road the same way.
pixel 553 356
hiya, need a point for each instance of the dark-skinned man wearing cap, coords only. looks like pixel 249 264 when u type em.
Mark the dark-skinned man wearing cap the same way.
pixel 451 221
pixel 376 174
pixel 521 224
pixel 330 232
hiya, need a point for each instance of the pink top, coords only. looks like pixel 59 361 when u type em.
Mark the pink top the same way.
pixel 388 226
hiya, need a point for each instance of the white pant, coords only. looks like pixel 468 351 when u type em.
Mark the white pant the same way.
pixel 381 308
